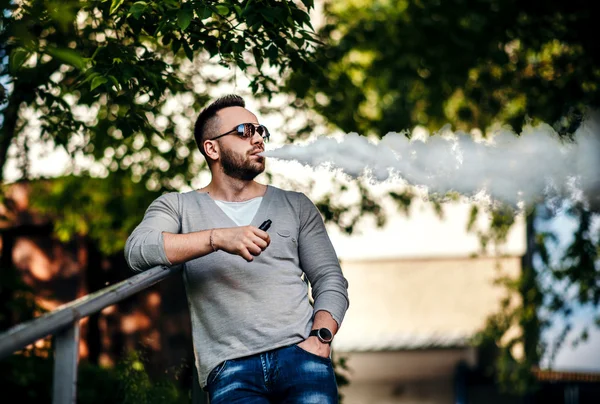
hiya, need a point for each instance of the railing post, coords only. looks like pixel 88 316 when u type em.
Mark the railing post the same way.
pixel 66 355
pixel 63 323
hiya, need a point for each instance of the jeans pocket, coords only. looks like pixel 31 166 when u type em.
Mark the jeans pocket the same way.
pixel 312 355
pixel 214 374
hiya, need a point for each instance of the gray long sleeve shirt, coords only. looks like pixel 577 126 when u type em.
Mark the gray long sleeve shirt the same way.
pixel 240 308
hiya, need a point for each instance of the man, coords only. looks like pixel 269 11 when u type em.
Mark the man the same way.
pixel 257 337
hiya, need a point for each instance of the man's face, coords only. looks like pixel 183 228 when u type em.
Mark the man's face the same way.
pixel 238 156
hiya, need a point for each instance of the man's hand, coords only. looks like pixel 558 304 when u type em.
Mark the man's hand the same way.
pixel 314 346
pixel 245 241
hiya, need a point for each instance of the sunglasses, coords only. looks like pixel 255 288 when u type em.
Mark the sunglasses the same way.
pixel 247 131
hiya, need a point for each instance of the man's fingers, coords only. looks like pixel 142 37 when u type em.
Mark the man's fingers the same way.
pixel 246 255
pixel 266 239
pixel 252 241
pixel 262 234
pixel 262 244
pixel 254 249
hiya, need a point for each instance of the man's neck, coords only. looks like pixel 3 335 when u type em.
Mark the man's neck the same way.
pixel 234 190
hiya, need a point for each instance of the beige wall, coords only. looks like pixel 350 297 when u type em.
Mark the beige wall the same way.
pixel 405 303
pixel 405 365
pixel 416 376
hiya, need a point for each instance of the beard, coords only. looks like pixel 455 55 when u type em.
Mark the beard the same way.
pixel 241 167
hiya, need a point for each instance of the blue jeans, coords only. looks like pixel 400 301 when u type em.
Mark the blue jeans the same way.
pixel 284 375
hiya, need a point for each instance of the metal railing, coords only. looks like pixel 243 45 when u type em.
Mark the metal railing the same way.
pixel 63 324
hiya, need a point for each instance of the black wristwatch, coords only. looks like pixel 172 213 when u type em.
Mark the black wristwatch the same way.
pixel 324 335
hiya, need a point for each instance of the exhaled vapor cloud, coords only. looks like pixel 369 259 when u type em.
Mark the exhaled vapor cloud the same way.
pixel 506 167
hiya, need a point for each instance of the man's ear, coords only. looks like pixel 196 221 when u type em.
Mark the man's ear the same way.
pixel 211 148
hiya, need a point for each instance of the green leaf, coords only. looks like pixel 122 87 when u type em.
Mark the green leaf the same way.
pixel 241 64
pixel 272 53
pixel 307 22
pixel 269 15
pixel 68 56
pixel 188 51
pixel 98 81
pixel 257 56
pixel 299 42
pixel 184 18
pixel 252 19
pixel 308 3
pixel 89 76
pixel 115 5
pixel 222 10
pixel 239 46
pixel 115 81
pixel 17 58
pixel 204 12
pixel 211 46
pixel 176 45
pixel 137 9
pixel 247 9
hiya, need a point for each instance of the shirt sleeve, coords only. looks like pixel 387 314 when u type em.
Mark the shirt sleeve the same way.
pixel 320 263
pixel 144 248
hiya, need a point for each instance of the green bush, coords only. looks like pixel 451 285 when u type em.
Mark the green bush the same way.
pixel 30 378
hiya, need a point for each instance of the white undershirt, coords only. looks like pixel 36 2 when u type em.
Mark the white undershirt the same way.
pixel 241 213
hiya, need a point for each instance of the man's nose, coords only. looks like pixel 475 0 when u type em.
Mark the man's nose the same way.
pixel 257 138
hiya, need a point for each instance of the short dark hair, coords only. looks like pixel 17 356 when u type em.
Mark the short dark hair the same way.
pixel 207 119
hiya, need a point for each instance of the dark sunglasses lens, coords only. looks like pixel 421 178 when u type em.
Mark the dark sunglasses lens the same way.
pixel 247 130
pixel 264 132
pixel 243 131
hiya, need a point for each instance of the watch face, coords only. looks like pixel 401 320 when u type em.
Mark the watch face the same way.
pixel 325 334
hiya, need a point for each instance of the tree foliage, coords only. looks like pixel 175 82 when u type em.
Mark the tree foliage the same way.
pixel 388 66
pixel 101 76
pixel 106 210
pixel 118 85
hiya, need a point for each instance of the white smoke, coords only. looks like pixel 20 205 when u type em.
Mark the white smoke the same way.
pixel 506 167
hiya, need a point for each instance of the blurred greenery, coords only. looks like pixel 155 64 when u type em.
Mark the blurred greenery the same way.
pixel 101 76
pixel 30 377
pixel 389 66
pixel 105 210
